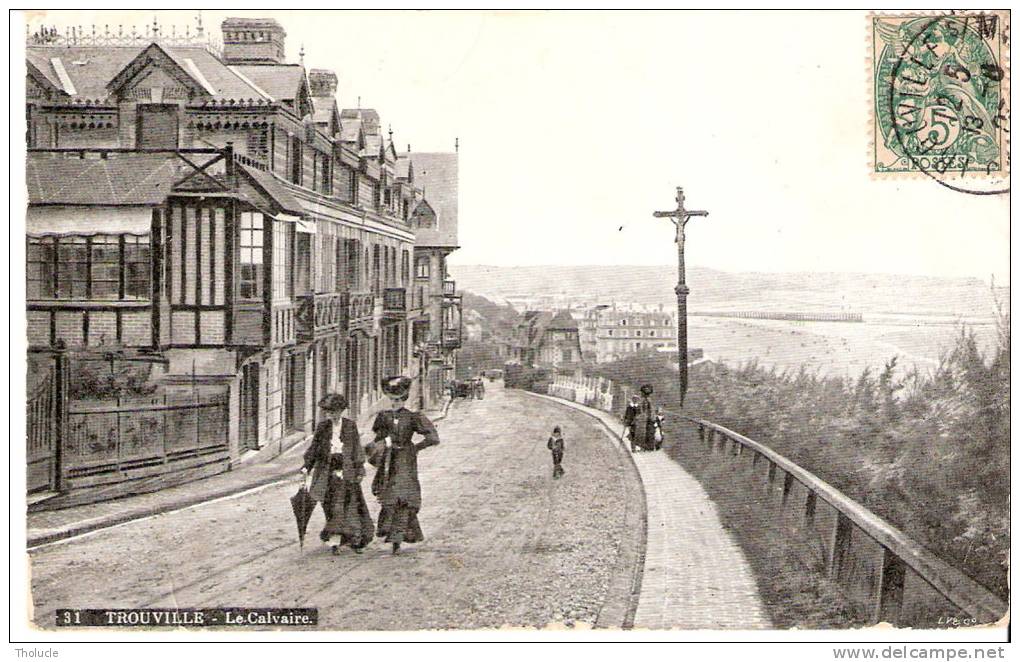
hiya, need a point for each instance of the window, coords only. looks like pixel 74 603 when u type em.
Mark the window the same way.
pixel 421 267
pixel 388 197
pixel 637 345
pixel 623 322
pixel 637 333
pixel 666 322
pixel 251 256
pixel 610 332
pixel 353 176
pixel 651 322
pixel 352 274
pixel 41 257
pixel 258 144
pixel 376 270
pixel 651 333
pixel 283 277
pixel 72 268
pixel 295 160
pixel 405 268
pixel 88 267
pixel 105 267
pixel 136 267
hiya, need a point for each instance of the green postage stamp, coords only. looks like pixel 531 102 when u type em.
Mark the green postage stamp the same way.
pixel 941 96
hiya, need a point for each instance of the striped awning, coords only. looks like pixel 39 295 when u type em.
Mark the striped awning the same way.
pixel 43 220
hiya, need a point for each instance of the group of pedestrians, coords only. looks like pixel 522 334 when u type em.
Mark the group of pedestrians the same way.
pixel 335 463
pixel 642 427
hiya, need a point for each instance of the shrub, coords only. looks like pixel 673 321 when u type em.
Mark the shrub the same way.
pixel 928 452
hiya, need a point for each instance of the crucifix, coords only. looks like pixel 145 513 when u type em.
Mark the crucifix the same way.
pixel 679 217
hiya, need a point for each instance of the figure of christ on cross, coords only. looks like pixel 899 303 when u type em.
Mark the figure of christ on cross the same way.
pixel 679 217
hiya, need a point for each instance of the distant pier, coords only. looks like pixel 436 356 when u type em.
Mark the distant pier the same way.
pixel 786 317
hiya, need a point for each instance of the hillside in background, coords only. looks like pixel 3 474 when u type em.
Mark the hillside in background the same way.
pixel 496 319
pixel 713 290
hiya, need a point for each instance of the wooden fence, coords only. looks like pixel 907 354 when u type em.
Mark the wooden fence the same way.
pixel 891 577
pixel 133 438
pixel 41 428
pixel 886 575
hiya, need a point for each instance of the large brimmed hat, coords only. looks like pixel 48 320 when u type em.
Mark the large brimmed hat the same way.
pixel 333 402
pixel 397 387
pixel 646 390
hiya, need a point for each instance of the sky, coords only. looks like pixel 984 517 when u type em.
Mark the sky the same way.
pixel 575 126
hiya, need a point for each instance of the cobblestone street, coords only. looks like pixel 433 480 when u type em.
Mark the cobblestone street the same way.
pixel 695 576
pixel 506 545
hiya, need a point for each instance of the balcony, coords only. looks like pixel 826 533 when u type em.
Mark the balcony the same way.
pixel 395 303
pixel 321 315
pixel 451 338
pixel 361 311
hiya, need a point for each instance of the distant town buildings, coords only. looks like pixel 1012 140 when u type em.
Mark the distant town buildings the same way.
pixel 545 339
pixel 610 332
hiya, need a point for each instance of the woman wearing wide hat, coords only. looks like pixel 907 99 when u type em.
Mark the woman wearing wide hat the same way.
pixel 645 421
pixel 395 455
pixel 337 463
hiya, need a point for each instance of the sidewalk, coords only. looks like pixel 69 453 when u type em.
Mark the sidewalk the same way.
pixel 695 576
pixel 51 525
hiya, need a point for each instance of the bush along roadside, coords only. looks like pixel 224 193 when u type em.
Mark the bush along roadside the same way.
pixel 929 452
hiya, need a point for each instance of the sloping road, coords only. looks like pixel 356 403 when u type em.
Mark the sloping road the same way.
pixel 506 545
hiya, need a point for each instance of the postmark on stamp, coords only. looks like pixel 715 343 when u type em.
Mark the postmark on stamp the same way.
pixel 941 98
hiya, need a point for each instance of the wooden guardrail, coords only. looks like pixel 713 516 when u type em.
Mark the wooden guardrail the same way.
pixel 890 588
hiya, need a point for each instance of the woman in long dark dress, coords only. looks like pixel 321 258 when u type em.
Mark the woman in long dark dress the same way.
pixel 645 421
pixel 337 463
pixel 395 456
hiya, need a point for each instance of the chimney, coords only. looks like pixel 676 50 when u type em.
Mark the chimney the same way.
pixel 323 82
pixel 253 41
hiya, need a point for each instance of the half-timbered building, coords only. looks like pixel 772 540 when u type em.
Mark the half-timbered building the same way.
pixel 216 210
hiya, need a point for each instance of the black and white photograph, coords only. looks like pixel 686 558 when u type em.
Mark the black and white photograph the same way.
pixel 512 325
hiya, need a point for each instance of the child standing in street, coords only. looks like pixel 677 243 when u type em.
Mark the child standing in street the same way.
pixel 555 444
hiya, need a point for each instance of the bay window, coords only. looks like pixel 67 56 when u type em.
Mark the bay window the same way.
pixel 250 275
pixel 100 267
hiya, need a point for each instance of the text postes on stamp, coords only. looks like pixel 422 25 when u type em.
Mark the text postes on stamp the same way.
pixel 941 98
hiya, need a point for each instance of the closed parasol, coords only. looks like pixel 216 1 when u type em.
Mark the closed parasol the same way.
pixel 302 505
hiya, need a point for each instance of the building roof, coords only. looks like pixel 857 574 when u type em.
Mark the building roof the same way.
pixel 280 81
pixel 369 116
pixel 436 174
pixel 373 145
pixel 88 70
pixel 127 179
pixel 349 130
pixel 271 187
pixel 537 322
pixel 403 167
pixel 323 109
pixel 562 321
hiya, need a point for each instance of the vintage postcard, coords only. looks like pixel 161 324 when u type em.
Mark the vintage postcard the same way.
pixel 512 324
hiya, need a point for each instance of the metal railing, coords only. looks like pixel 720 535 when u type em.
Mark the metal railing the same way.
pixel 323 313
pixel 360 307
